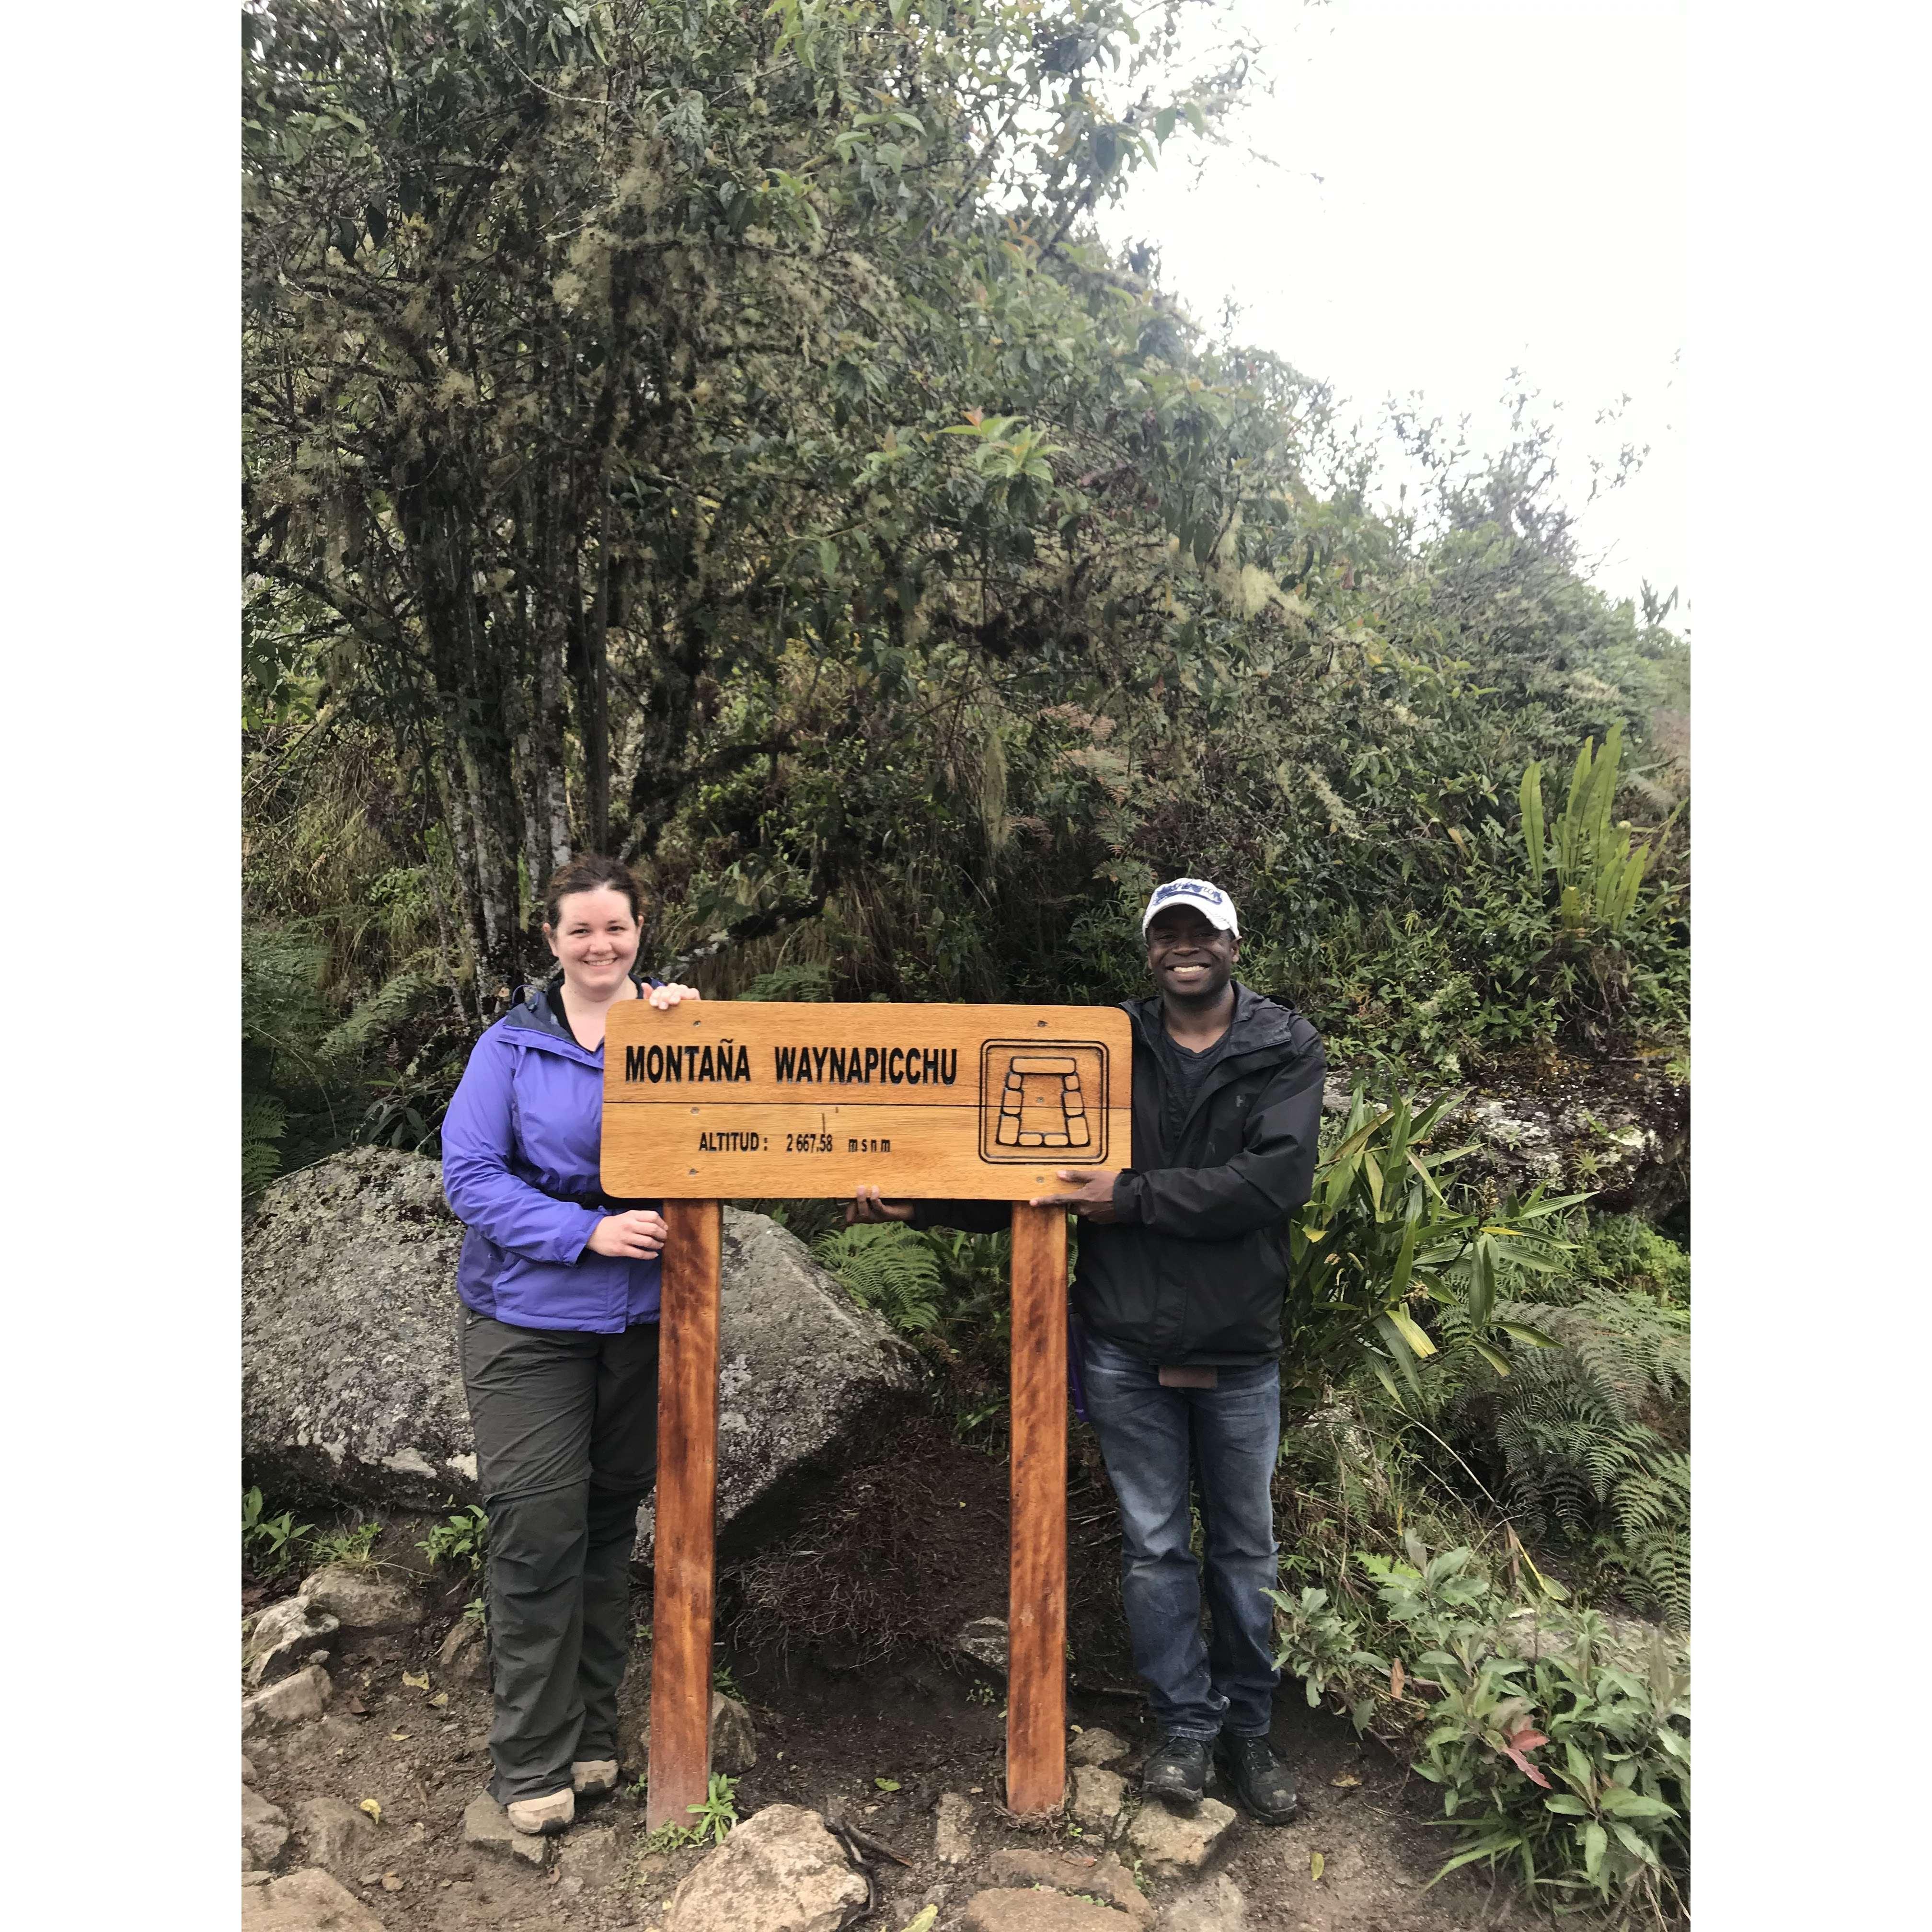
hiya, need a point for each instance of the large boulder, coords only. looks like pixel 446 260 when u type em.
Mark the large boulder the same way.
pixel 350 1379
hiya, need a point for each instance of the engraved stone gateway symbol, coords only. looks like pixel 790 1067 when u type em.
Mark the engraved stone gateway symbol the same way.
pixel 1043 1097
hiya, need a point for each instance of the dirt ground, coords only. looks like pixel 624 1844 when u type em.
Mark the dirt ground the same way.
pixel 834 1720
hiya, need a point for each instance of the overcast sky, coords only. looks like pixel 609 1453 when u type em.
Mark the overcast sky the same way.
pixel 1500 186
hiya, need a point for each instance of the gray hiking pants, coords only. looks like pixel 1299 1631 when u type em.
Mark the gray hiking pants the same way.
pixel 566 1450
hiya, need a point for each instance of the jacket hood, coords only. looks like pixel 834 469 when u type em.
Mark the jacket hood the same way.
pixel 1259 1021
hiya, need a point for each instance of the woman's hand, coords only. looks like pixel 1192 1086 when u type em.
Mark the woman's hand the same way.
pixel 661 996
pixel 866 1205
pixel 636 1235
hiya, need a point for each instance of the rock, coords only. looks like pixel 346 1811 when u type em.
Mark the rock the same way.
pixel 265 1829
pixel 486 1825
pixel 984 1640
pixel 1097 1747
pixel 247 1770
pixel 364 1604
pixel 1098 1796
pixel 781 1871
pixel 1218 1905
pixel 734 1740
pixel 952 1829
pixel 1007 1911
pixel 1105 1877
pixel 334 1834
pixel 1172 1846
pixel 295 1700
pixel 305 1901
pixel 591 1856
pixel 350 1380
pixel 279 1640
pixel 464 1657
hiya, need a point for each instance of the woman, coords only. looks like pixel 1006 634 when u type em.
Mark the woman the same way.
pixel 560 1347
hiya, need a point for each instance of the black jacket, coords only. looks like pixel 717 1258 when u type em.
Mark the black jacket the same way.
pixel 1195 1268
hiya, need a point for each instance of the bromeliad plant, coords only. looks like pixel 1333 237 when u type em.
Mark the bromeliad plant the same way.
pixel 1378 1246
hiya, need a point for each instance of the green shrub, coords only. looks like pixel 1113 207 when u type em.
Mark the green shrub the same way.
pixel 461 1541
pixel 1379 1248
pixel 270 1544
pixel 1568 1763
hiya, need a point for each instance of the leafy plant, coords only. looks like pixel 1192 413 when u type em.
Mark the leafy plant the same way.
pixel 1378 1245
pixel 355 1543
pixel 1598 868
pixel 1572 1766
pixel 269 1544
pixel 712 1819
pixel 461 1541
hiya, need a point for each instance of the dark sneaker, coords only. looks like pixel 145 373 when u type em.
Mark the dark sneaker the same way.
pixel 1260 1780
pixel 1176 1772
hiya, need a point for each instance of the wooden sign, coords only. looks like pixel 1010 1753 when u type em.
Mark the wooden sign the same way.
pixel 739 1098
pixel 705 1103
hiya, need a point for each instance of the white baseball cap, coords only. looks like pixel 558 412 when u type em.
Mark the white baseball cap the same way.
pixel 1213 904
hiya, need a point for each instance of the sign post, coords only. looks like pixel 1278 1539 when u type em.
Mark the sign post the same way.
pixel 705 1103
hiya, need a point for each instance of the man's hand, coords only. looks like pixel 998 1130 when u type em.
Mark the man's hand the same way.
pixel 1094 1199
pixel 866 1205
pixel 661 996
pixel 635 1235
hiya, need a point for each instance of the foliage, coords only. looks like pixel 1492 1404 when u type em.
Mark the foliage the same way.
pixel 886 1267
pixel 1570 1765
pixel 269 1544
pixel 1378 1246
pixel 461 1540
pixel 352 1542
pixel 1586 1443
pixel 713 432
pixel 263 1120
pixel 711 1820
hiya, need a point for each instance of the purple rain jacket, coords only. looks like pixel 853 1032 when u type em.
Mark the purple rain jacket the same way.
pixel 520 1144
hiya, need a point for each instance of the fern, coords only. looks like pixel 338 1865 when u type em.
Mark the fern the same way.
pixel 262 1122
pixel 389 1004
pixel 1585 1437
pixel 810 980
pixel 888 1268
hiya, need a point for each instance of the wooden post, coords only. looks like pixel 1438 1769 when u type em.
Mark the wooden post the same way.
pixel 1036 1605
pixel 687 1514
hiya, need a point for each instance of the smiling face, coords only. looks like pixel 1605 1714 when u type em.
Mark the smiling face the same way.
pixel 595 941
pixel 1191 959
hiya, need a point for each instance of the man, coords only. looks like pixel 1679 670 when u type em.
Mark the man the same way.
pixel 1178 1299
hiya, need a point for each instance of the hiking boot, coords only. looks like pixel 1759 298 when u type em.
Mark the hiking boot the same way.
pixel 1259 1779
pixel 538 1817
pixel 1176 1772
pixel 594 1776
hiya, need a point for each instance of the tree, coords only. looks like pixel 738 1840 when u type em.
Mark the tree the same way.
pixel 606 364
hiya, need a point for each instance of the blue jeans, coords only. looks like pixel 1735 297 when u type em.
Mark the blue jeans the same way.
pixel 1197 1686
